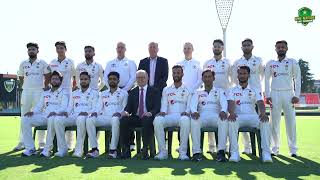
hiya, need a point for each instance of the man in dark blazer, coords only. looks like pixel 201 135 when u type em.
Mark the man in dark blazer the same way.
pixel 143 105
pixel 156 67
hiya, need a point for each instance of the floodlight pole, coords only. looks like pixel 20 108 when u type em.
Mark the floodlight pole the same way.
pixel 224 31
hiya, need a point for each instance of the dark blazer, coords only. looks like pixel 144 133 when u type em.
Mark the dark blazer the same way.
pixel 161 72
pixel 153 101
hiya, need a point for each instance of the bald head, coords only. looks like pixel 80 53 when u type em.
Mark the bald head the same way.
pixel 142 78
pixel 121 50
pixel 187 50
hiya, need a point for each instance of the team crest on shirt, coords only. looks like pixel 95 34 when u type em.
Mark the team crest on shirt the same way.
pixel 194 66
pixel 113 65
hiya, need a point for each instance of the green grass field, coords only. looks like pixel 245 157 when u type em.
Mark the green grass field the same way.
pixel 306 166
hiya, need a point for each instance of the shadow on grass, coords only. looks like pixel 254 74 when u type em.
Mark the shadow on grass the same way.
pixel 282 167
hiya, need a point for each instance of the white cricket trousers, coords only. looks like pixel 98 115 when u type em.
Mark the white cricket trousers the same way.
pixel 27 124
pixel 171 120
pixel 281 100
pixel 29 99
pixel 72 120
pixel 249 120
pixel 208 119
pixel 93 122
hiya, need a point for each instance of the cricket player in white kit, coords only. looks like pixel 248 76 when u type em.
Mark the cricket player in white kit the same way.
pixel 111 103
pixel 94 69
pixel 256 77
pixel 65 66
pixel 34 75
pixel 192 79
pixel 222 68
pixel 175 109
pixel 51 103
pixel 241 106
pixel 208 109
pixel 82 104
pixel 122 65
pixel 285 89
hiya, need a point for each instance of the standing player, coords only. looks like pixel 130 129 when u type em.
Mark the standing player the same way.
pixel 208 107
pixel 111 103
pixel 285 88
pixel 192 79
pixel 122 65
pixel 174 111
pixel 34 75
pixel 256 76
pixel 127 71
pixel 51 103
pixel 66 67
pixel 82 104
pixel 222 68
pixel 94 69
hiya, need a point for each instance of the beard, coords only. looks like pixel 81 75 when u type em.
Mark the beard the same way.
pixel 281 53
pixel 84 86
pixel 112 85
pixel 217 53
pixel 177 79
pixel 88 57
pixel 243 81
pixel 32 56
pixel 55 85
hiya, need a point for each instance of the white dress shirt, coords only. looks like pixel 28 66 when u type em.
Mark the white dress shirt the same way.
pixel 175 100
pixel 245 99
pixel 222 69
pixel 33 73
pixel 283 73
pixel 256 71
pixel 67 68
pixel 192 71
pixel 215 101
pixel 95 71
pixel 152 67
pixel 127 70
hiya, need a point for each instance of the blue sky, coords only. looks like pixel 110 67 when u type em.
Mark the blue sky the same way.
pixel 171 23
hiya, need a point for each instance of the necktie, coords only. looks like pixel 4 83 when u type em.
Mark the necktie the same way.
pixel 141 103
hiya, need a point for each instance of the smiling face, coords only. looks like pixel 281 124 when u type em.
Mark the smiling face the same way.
pixel 142 78
pixel 177 74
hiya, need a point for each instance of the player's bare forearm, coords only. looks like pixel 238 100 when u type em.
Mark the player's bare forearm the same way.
pixel 261 107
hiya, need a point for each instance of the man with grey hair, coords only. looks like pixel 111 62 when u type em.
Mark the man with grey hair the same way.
pixel 143 105
pixel 157 67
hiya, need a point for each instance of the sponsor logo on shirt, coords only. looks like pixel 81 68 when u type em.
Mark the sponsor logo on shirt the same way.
pixel 76 97
pixel 275 74
pixel 32 74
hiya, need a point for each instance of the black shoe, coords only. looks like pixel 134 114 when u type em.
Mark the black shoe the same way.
pixel 294 155
pixel 126 154
pixel 272 154
pixel 197 157
pixel 221 156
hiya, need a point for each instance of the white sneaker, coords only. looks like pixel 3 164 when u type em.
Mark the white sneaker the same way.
pixel 60 153
pixel 29 152
pixel 235 157
pixel 19 147
pixel 93 154
pixel 183 157
pixel 161 156
pixel 266 157
pixel 77 154
pixel 132 146
pixel 45 153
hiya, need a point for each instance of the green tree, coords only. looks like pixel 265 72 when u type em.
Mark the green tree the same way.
pixel 307 80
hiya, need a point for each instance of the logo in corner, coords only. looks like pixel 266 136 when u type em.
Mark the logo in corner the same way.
pixel 304 16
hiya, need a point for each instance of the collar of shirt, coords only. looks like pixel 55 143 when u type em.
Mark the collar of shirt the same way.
pixel 86 92
pixel 174 87
pixel 283 60
pixel 64 60
pixel 92 64
pixel 251 58
pixel 144 88
pixel 36 61
pixel 153 59
pixel 117 90
pixel 222 59
pixel 240 87
pixel 123 59
pixel 56 91
pixel 204 90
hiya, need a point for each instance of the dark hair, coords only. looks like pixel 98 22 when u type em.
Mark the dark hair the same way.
pixel 177 66
pixel 85 73
pixel 113 73
pixel 32 44
pixel 91 47
pixel 247 40
pixel 218 41
pixel 208 70
pixel 245 68
pixel 282 41
pixel 61 43
pixel 57 73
